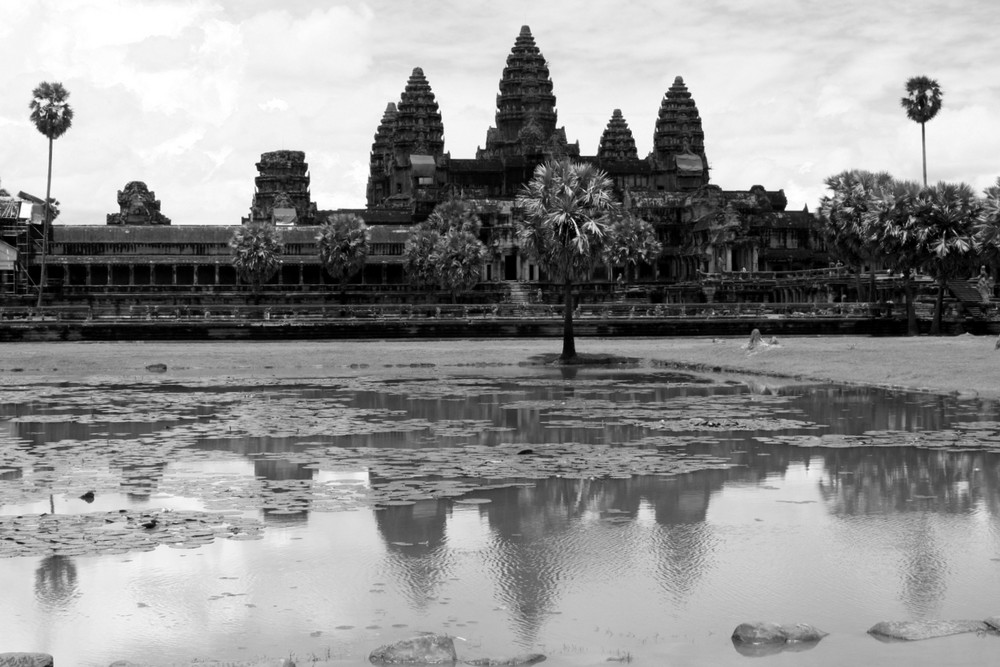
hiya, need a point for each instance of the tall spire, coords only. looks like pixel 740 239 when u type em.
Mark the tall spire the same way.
pixel 380 160
pixel 617 142
pixel 526 107
pixel 418 127
pixel 382 145
pixel 679 142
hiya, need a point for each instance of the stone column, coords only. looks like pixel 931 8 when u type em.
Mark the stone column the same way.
pixel 195 279
pixel 110 270
pixel 88 275
pixel 131 275
pixel 173 271
pixel 216 274
pixel 65 268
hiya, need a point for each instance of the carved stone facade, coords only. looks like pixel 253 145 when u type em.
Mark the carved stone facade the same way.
pixel 617 142
pixel 282 190
pixel 139 206
pixel 703 228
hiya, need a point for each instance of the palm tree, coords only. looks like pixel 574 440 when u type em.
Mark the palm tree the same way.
pixel 631 241
pixel 52 116
pixel 343 246
pixel 566 205
pixel 842 215
pixel 943 220
pixel 445 250
pixel 922 102
pixel 257 252
pixel 887 223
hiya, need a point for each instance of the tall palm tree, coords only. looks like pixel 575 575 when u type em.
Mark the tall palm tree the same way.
pixel 52 116
pixel 256 252
pixel 343 246
pixel 943 220
pixel 631 242
pixel 843 218
pixel 566 205
pixel 888 222
pixel 922 102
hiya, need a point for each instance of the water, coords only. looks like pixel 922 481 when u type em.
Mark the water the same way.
pixel 590 514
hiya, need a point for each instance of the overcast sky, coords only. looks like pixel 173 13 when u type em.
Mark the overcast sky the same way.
pixel 186 94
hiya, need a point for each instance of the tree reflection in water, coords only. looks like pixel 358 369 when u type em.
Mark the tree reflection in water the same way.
pixel 56 583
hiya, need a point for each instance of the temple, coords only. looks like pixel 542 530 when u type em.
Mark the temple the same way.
pixel 705 229
pixel 139 206
pixel 282 194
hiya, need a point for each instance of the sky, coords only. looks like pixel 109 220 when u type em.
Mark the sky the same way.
pixel 185 95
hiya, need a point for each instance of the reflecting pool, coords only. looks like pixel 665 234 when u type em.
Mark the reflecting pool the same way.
pixel 590 514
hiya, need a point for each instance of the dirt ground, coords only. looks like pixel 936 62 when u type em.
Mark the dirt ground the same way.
pixel 965 365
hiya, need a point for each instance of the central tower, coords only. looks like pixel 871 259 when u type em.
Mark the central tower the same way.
pixel 526 108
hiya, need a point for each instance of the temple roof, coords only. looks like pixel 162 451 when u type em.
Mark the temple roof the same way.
pixel 526 107
pixel 617 142
pixel 418 129
pixel 678 127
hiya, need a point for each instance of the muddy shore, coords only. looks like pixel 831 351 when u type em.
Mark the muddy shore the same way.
pixel 965 365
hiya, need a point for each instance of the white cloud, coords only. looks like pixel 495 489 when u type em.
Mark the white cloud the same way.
pixel 273 104
pixel 184 94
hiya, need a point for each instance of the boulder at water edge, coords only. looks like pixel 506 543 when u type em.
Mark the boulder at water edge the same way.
pixel 423 650
pixel 775 633
pixel 524 659
pixel 25 660
pixel 760 638
pixel 917 630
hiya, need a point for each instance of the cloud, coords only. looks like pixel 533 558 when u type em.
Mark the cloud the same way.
pixel 187 95
pixel 273 104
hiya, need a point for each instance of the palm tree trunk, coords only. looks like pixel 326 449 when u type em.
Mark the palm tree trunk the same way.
pixel 912 329
pixel 569 345
pixel 46 226
pixel 938 305
pixel 923 150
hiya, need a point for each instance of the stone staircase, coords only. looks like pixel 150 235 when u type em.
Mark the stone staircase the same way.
pixel 969 296
pixel 517 293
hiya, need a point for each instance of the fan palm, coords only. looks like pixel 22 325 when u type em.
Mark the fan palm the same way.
pixel 343 246
pixel 922 102
pixel 843 217
pixel 257 250
pixel 631 242
pixel 944 219
pixel 52 116
pixel 566 205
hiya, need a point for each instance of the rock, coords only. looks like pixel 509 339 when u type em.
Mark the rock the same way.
pixel 273 662
pixel 917 630
pixel 157 368
pixel 775 633
pixel 993 622
pixel 523 659
pixel 423 650
pixel 25 660
pixel 759 639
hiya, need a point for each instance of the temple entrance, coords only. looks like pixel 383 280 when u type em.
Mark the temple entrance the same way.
pixel 510 267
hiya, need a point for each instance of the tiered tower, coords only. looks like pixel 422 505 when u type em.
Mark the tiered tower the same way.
pixel 137 205
pixel 617 142
pixel 408 143
pixel 418 129
pixel 380 163
pixel 526 107
pixel 282 192
pixel 679 142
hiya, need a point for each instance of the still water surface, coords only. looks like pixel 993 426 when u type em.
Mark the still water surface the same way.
pixel 653 514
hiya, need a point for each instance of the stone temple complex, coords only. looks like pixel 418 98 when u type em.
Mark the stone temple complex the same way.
pixel 704 229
